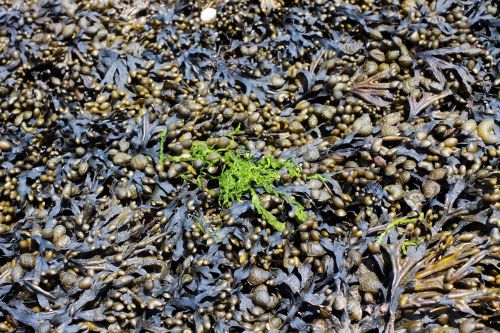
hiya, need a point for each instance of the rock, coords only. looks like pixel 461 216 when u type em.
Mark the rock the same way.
pixel 208 15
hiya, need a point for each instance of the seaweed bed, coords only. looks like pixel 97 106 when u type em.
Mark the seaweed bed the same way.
pixel 249 166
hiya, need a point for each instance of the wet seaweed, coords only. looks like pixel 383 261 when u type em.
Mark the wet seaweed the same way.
pixel 282 166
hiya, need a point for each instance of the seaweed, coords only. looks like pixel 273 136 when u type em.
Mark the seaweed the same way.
pixel 163 138
pixel 396 223
pixel 241 175
pixel 155 167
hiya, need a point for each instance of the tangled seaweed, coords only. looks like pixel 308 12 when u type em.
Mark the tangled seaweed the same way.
pixel 249 166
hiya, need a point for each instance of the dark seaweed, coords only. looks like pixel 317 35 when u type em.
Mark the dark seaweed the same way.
pixel 150 249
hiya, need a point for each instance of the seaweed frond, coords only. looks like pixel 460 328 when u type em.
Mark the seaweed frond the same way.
pixel 398 222
pixel 241 174
pixel 318 177
pixel 410 242
pixel 267 215
pixel 163 138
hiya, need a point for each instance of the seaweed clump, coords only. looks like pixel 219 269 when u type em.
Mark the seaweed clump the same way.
pixel 354 116
pixel 243 175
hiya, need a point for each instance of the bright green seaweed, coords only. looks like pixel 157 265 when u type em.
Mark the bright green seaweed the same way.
pixel 241 175
pixel 398 222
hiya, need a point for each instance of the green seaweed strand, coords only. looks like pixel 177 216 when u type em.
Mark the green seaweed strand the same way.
pixel 163 138
pixel 410 242
pixel 267 215
pixel 240 175
pixel 318 177
pixel 395 223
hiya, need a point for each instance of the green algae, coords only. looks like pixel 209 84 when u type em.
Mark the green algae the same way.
pixel 398 222
pixel 410 242
pixel 317 176
pixel 241 174
pixel 163 138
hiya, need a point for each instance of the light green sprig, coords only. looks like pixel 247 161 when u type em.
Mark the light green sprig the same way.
pixel 395 223
pixel 410 242
pixel 241 175
pixel 163 138
pixel 318 177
